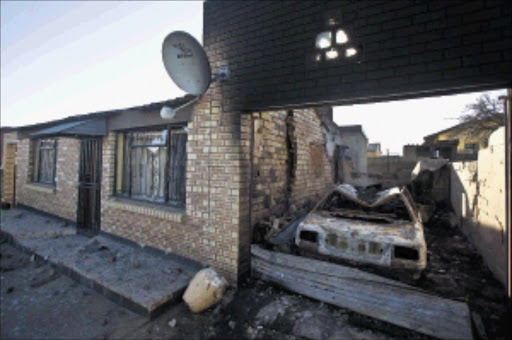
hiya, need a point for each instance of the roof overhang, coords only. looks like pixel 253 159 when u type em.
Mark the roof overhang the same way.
pixel 82 128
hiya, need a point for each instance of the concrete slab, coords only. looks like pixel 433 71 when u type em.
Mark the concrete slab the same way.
pixel 26 224
pixel 131 276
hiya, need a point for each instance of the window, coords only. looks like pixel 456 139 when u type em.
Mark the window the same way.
pixel 151 165
pixel 44 160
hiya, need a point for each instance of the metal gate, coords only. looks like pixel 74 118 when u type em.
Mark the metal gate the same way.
pixel 88 212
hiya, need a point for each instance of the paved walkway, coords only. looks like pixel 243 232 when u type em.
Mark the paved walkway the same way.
pixel 130 276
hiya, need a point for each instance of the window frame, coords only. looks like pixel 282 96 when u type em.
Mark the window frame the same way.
pixel 37 153
pixel 128 138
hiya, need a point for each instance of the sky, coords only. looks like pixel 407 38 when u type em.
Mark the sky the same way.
pixel 65 58
pixel 61 58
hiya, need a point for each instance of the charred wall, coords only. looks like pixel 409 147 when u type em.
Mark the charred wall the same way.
pixel 410 48
pixel 290 162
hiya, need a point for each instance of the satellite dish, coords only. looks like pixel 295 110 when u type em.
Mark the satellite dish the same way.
pixel 186 63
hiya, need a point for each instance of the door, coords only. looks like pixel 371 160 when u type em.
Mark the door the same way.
pixel 89 177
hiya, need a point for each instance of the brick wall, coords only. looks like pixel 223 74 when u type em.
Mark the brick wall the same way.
pixel 477 194
pixel 218 171
pixel 59 199
pixel 290 162
pixel 147 224
pixel 411 48
pixel 7 166
pixel 8 174
pixel 271 162
pixel 313 174
pixel 6 137
pixel 213 229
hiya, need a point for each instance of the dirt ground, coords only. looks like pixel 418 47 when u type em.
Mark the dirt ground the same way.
pixel 37 302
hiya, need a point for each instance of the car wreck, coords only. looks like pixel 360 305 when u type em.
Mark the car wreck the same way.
pixel 380 228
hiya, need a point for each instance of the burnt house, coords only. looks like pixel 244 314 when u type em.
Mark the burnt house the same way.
pixel 131 174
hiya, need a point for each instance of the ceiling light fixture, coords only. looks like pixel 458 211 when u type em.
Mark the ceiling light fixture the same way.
pixel 323 40
pixel 350 52
pixel 341 37
pixel 331 54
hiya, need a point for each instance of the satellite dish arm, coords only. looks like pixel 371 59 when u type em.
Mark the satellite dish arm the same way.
pixel 187 103
pixel 169 113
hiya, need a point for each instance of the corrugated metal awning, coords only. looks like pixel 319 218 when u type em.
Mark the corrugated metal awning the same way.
pixel 90 127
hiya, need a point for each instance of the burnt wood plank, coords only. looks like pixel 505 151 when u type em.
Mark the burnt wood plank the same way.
pixel 365 293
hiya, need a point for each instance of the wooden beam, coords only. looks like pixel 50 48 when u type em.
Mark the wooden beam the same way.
pixel 365 293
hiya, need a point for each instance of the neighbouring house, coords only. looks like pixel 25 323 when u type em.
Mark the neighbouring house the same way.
pixel 415 152
pixel 355 141
pixel 131 174
pixel 374 150
pixel 437 149
pixel 455 143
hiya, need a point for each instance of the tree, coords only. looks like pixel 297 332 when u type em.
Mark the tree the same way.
pixel 483 117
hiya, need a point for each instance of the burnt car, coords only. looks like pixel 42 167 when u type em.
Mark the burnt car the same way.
pixel 381 228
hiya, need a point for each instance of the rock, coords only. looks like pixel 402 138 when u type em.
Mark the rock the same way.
pixel 172 323
pixel 232 324
pixel 205 290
